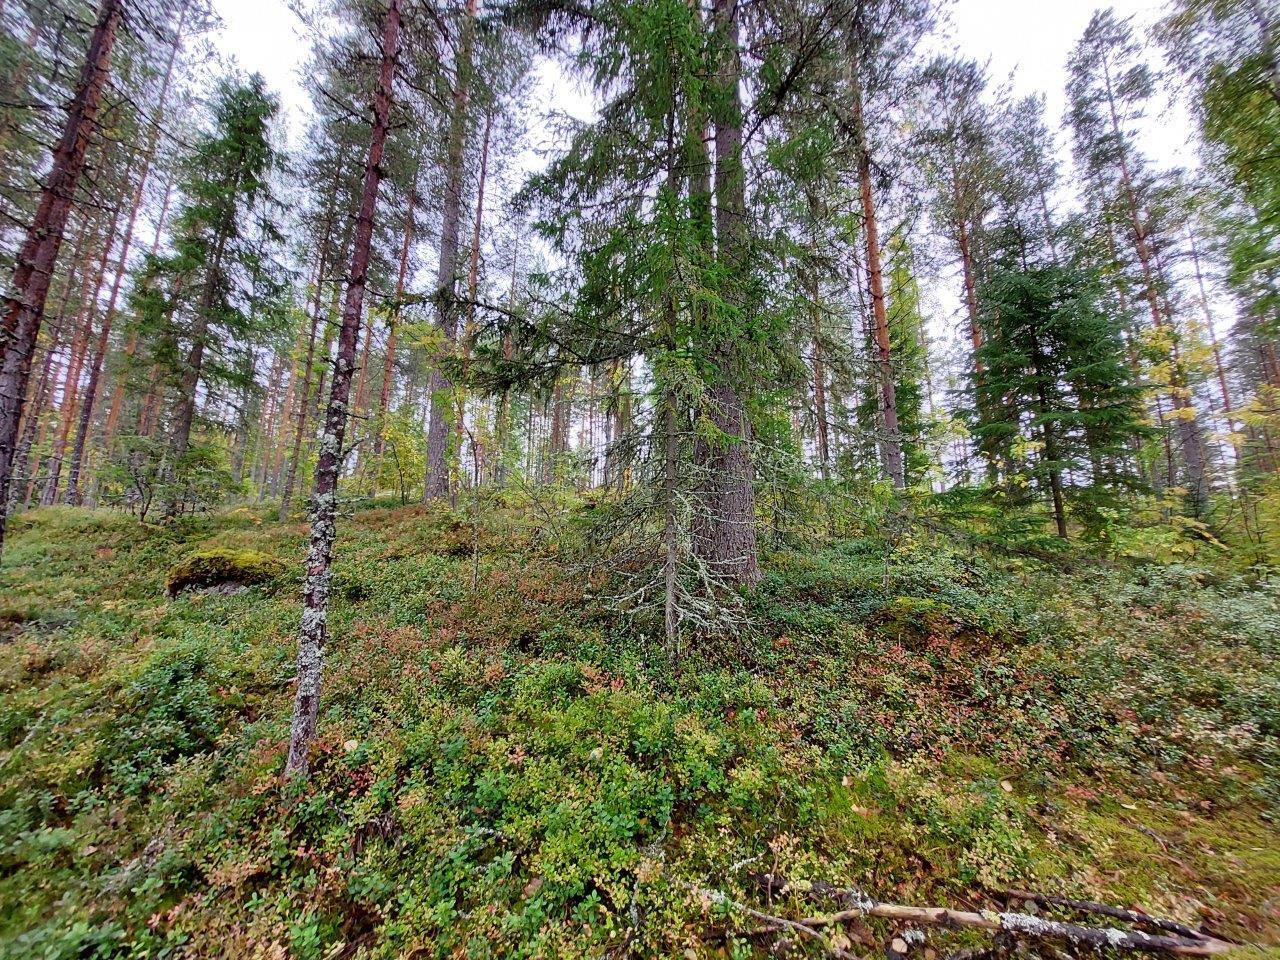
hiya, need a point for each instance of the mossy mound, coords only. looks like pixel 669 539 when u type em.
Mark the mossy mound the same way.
pixel 221 567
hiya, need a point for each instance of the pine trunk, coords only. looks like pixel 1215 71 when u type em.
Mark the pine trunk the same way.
pixel 1184 413
pixel 104 335
pixel 437 482
pixel 891 441
pixel 303 394
pixel 24 309
pixel 88 305
pixel 732 528
pixel 393 319
pixel 315 598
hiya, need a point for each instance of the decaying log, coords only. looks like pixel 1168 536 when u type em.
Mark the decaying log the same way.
pixel 1024 925
pixel 1119 913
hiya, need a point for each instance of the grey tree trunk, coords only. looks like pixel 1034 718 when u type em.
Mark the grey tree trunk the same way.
pixel 313 630
pixel 437 481
pixel 731 480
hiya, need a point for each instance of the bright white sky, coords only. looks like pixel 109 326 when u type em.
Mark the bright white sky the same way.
pixel 1027 43
pixel 1029 39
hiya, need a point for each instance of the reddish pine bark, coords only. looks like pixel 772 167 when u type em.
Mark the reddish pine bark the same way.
pixel 46 387
pixel 104 335
pixel 315 597
pixel 24 310
pixel 89 303
pixel 891 442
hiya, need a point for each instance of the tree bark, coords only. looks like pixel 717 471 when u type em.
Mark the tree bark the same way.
pixel 437 481
pixel 104 335
pixel 131 345
pixel 193 364
pixel 473 280
pixel 303 395
pixel 731 493
pixel 1050 451
pixel 393 319
pixel 891 442
pixel 1189 437
pixel 818 365
pixel 24 309
pixel 46 388
pixel 1213 336
pixel 315 597
pixel 89 303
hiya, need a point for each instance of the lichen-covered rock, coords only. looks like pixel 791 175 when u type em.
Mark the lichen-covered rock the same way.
pixel 219 567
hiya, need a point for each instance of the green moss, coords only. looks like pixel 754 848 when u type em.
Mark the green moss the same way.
pixel 207 568
pixel 505 768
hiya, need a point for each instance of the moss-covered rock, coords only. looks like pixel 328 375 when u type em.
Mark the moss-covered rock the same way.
pixel 219 567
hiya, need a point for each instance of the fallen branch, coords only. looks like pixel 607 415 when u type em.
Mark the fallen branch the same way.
pixel 777 923
pixel 1016 924
pixel 1119 913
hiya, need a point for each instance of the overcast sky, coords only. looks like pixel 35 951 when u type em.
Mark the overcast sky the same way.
pixel 1027 43
pixel 1028 39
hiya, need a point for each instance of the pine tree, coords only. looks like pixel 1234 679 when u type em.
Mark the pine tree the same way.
pixel 24 309
pixel 313 630
pixel 1108 87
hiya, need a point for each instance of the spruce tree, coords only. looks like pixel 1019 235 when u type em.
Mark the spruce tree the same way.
pixel 1053 373
pixel 198 306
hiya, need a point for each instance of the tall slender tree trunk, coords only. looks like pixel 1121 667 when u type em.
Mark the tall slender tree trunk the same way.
pixel 393 320
pixel 303 394
pixel 24 309
pixel 104 335
pixel 1213 335
pixel 131 344
pixel 437 480
pixel 324 510
pixel 193 364
pixel 1189 437
pixel 1050 440
pixel 970 285
pixel 22 487
pixel 818 366
pixel 502 427
pixel 473 281
pixel 891 441
pixel 88 308
pixel 731 481
pixel 278 391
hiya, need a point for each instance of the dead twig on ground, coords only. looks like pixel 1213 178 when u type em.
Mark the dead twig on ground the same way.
pixel 776 923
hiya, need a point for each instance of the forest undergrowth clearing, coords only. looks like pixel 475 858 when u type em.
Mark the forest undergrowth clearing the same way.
pixel 512 769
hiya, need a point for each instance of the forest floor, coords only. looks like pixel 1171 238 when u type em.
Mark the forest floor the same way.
pixel 506 768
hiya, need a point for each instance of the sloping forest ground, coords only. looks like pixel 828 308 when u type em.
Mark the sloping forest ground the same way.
pixel 506 768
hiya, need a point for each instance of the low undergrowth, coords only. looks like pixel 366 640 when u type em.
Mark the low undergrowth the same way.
pixel 504 769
